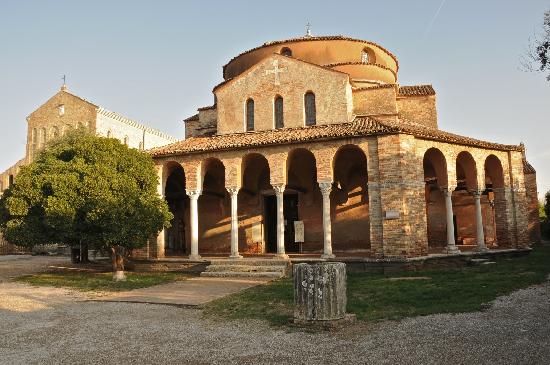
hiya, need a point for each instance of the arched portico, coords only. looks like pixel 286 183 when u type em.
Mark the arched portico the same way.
pixel 496 195
pixel 214 209
pixel 176 236
pixel 349 200
pixel 439 212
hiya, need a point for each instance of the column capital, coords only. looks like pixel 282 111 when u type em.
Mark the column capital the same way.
pixel 448 190
pixel 193 194
pixel 232 190
pixel 326 187
pixel 477 193
pixel 279 188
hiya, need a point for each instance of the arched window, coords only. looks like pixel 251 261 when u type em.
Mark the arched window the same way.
pixel 126 140
pixel 249 115
pixel 286 52
pixel 309 105
pixel 109 133
pixel 364 56
pixel 279 121
pixel 42 137
pixel 55 132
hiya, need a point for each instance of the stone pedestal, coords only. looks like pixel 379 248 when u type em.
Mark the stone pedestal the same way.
pixel 319 292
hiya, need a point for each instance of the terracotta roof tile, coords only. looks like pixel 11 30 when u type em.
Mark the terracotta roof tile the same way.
pixel 192 118
pixel 528 168
pixel 305 39
pixel 416 90
pixel 360 126
pixel 331 65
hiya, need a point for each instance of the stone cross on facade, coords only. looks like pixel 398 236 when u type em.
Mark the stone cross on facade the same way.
pixel 276 71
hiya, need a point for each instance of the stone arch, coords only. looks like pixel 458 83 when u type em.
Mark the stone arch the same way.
pixel 466 171
pixel 436 178
pixel 213 208
pixel 174 188
pixel 496 193
pixel 254 228
pixel 303 200
pixel 463 201
pixel 350 200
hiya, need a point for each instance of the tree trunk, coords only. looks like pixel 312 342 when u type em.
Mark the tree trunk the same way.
pixel 75 255
pixel 117 260
pixel 84 253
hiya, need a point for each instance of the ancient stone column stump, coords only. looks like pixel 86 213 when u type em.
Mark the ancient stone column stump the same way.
pixel 320 293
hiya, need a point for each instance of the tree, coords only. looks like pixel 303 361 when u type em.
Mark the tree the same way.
pixel 85 189
pixel 537 58
pixel 545 217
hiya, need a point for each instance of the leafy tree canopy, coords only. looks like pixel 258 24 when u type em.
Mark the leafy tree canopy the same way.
pixel 85 189
pixel 537 58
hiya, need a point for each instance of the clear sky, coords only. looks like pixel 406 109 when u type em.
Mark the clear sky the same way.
pixel 157 61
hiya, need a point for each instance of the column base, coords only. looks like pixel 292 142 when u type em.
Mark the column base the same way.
pixel 482 249
pixel 281 256
pixel 236 257
pixel 452 250
pixel 328 256
pixel 195 257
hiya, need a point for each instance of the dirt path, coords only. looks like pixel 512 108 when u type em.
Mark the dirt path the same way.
pixel 57 328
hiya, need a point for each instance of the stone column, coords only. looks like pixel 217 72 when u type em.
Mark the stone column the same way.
pixel 194 213
pixel 279 190
pixel 326 188
pixel 480 237
pixel 234 192
pixel 159 247
pixel 451 245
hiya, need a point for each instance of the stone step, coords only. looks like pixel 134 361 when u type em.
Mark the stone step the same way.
pixel 246 268
pixel 237 274
pixel 250 262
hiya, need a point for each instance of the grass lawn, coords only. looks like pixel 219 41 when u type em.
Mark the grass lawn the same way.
pixel 375 297
pixel 100 281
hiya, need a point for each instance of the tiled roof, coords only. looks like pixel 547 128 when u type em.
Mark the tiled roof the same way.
pixel 331 65
pixel 374 87
pixel 208 107
pixel 416 90
pixel 360 126
pixel 193 117
pixel 306 39
pixel 421 131
pixel 133 123
pixel 528 168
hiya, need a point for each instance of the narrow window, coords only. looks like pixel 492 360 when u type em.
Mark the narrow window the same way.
pixel 279 121
pixel 109 133
pixel 10 180
pixel 126 140
pixel 286 52
pixel 364 57
pixel 309 104
pixel 249 115
pixel 61 110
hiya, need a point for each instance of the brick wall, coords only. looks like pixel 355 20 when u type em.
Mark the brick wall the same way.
pixel 332 95
pixel 418 109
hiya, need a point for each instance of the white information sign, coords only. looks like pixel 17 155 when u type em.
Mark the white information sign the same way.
pixel 298 231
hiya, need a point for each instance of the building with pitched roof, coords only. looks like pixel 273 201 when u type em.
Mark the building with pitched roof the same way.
pixel 65 111
pixel 313 147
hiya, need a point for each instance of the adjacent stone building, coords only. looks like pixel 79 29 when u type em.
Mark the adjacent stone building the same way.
pixel 65 111
pixel 313 146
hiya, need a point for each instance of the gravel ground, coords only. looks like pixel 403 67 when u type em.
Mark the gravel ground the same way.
pixel 64 329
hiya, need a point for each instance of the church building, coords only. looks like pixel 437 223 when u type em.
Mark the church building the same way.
pixel 313 147
pixel 65 111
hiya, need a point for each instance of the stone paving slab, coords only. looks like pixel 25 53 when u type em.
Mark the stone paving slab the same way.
pixel 189 293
